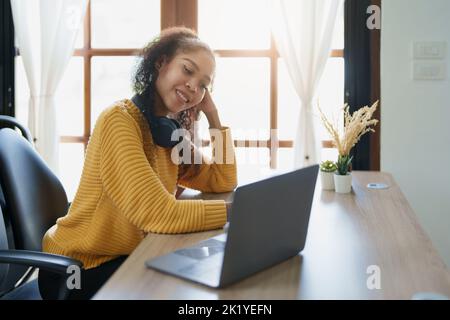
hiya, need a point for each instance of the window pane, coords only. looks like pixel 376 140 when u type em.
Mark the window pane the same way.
pixel 124 24
pixel 329 154
pixel 241 92
pixel 252 164
pixel 69 99
pixel 330 94
pixel 338 36
pixel 288 104
pixel 111 81
pixel 286 157
pixel 71 158
pixel 234 24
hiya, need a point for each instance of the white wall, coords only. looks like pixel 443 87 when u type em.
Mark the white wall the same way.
pixel 415 115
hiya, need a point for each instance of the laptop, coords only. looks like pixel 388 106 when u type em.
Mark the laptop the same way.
pixel 268 224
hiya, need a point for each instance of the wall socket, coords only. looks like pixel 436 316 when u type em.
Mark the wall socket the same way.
pixel 429 70
pixel 430 50
pixel 430 60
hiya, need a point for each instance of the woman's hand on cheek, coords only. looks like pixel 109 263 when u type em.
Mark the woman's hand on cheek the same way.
pixel 209 109
pixel 207 104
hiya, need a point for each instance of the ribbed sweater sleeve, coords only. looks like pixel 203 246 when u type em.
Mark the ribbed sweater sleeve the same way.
pixel 218 174
pixel 133 186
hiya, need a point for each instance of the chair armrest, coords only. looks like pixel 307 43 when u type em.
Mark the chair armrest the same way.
pixel 46 261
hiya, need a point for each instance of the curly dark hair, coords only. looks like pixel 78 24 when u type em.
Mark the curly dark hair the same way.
pixel 169 43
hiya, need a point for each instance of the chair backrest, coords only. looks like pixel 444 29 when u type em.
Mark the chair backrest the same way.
pixel 7 121
pixel 34 196
pixel 3 246
pixel 2 199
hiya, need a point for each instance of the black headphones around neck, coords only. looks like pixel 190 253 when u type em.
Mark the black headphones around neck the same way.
pixel 161 127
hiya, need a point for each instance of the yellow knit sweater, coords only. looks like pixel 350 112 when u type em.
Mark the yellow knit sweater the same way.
pixel 127 189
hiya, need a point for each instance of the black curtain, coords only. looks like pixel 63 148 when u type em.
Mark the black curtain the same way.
pixel 7 51
pixel 359 73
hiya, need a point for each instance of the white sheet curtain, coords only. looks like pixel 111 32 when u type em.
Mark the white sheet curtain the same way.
pixel 46 31
pixel 303 32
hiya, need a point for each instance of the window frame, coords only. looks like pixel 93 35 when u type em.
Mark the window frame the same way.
pixel 185 12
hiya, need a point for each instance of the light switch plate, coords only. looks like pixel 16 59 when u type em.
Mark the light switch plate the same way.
pixel 430 50
pixel 429 70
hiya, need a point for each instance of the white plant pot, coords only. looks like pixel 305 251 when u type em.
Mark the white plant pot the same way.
pixel 327 180
pixel 343 184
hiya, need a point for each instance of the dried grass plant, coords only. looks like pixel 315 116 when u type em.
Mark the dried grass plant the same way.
pixel 355 126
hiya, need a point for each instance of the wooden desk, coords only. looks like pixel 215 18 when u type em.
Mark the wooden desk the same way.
pixel 347 234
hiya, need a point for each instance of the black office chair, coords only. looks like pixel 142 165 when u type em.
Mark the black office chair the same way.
pixel 11 275
pixel 33 199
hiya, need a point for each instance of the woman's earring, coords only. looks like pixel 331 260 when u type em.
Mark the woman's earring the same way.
pixel 150 78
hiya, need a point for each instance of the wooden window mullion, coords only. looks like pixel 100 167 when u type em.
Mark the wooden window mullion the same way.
pixel 273 140
pixel 87 75
pixel 179 13
pixel 187 13
pixel 168 13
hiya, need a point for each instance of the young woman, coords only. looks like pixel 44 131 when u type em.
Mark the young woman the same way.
pixel 129 179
